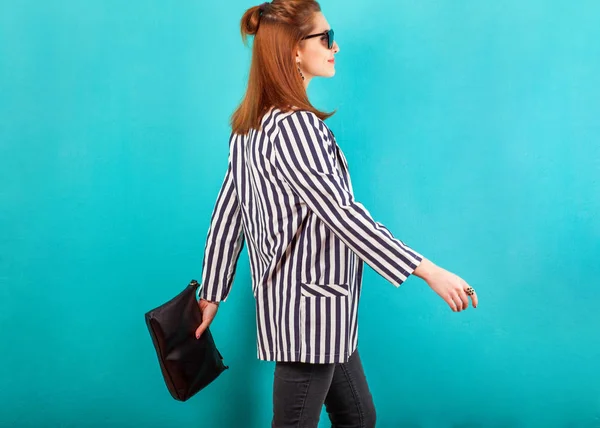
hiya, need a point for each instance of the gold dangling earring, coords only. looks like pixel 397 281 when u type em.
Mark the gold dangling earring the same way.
pixel 300 71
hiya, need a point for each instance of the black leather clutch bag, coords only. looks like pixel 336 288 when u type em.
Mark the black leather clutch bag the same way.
pixel 187 364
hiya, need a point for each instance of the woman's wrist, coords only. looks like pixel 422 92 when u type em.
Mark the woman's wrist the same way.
pixel 425 269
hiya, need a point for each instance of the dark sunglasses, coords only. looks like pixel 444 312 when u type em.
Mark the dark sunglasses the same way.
pixel 328 34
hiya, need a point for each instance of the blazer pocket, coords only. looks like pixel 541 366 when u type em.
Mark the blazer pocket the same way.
pixel 324 290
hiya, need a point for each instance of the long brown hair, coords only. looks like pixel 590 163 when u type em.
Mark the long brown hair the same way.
pixel 274 80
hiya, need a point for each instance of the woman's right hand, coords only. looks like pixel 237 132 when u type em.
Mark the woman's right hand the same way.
pixel 208 310
pixel 447 285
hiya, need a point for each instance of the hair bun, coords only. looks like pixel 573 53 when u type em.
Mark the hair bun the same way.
pixel 251 21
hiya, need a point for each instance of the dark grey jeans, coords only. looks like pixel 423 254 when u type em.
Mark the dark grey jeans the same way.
pixel 301 389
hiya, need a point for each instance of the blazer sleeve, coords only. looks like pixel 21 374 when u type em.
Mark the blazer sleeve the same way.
pixel 307 159
pixel 224 242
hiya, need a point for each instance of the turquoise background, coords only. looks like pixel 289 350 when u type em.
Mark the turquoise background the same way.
pixel 471 129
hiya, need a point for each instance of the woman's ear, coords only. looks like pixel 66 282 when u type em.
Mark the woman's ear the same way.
pixel 298 55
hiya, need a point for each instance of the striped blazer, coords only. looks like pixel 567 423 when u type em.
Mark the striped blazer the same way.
pixel 287 193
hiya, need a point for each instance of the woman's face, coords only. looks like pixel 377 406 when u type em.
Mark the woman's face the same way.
pixel 313 57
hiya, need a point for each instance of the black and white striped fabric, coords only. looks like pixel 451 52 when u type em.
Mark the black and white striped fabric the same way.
pixel 287 193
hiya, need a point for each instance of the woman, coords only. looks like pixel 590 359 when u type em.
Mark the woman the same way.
pixel 287 192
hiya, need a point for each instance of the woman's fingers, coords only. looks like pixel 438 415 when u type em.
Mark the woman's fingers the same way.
pixel 474 299
pixel 465 299
pixel 461 300
pixel 451 303
pixel 457 301
pixel 208 310
pixel 202 328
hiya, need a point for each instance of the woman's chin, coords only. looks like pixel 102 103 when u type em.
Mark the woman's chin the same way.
pixel 327 73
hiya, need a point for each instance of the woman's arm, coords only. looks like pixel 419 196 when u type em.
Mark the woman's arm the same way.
pixel 224 243
pixel 306 158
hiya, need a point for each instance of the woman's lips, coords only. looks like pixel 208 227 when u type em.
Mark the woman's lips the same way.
pixel 332 61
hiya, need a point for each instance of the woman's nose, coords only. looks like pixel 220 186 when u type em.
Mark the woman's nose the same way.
pixel 336 47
